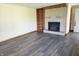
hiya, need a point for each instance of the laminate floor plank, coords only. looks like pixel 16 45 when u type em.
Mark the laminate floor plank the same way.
pixel 40 44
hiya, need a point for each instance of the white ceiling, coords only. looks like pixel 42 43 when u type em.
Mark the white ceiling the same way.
pixel 35 5
pixel 39 5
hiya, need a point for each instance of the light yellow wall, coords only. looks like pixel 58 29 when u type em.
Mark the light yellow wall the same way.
pixel 68 18
pixel 16 20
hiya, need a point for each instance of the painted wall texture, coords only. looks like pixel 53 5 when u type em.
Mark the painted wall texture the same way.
pixel 16 20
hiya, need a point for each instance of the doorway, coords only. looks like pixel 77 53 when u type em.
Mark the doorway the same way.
pixel 76 27
pixel 72 20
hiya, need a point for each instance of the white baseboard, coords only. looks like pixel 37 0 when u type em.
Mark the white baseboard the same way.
pixel 4 38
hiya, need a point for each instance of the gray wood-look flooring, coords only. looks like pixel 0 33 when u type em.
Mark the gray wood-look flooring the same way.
pixel 40 44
